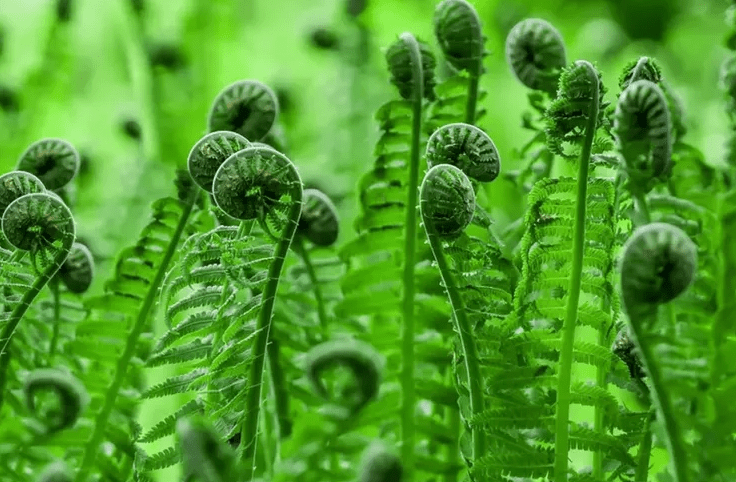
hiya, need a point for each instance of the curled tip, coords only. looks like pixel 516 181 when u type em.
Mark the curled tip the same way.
pixel 319 222
pixel 78 270
pixel 659 263
pixel 379 464
pixel 458 31
pixel 36 221
pixel 255 181
pixel 71 396
pixel 536 54
pixel 16 184
pixel 625 348
pixel 247 107
pixel 467 148
pixel 208 154
pixel 642 129
pixel 55 472
pixel 359 357
pixel 54 161
pixel 644 68
pixel 446 201
pixel 401 58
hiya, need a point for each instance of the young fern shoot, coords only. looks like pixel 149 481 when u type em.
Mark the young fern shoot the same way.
pixel 410 64
pixel 447 204
pixel 578 84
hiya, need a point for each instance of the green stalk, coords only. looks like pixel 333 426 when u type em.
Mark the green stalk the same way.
pixel 562 445
pixel 121 368
pixel 249 429
pixel 645 451
pixel 20 309
pixel 408 400
pixel 467 341
pixel 54 285
pixel 298 245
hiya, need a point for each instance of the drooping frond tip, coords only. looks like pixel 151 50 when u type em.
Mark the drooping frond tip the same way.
pixel 446 200
pixel 401 65
pixel 467 148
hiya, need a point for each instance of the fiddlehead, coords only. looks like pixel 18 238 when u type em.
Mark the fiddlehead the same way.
pixel 54 161
pixel 261 183
pixel 204 456
pixel 247 107
pixel 568 115
pixel 71 397
pixel 659 263
pixel 379 464
pixel 208 154
pixel 399 57
pixel 459 34
pixel 55 472
pixel 536 54
pixel 42 224
pixel 78 269
pixel 360 358
pixel 467 148
pixel 15 184
pixel 642 129
pixel 447 203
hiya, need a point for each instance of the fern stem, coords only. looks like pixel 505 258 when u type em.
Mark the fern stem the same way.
pixel 643 207
pixel 645 451
pixel 20 310
pixel 472 100
pixel 661 401
pixel 467 340
pixel 562 415
pixel 249 430
pixel 54 285
pixel 280 391
pixel 298 245
pixel 408 400
pixel 121 368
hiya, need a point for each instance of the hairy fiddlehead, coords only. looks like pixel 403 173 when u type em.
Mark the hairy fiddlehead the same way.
pixel 210 152
pixel 642 129
pixel 408 48
pixel 458 31
pixel 360 358
pixel 536 54
pixel 659 263
pixel 261 183
pixel 15 184
pixel 41 224
pixel 78 269
pixel 204 456
pixel 54 161
pixel 467 148
pixel 71 397
pixel 247 107
pixel 447 203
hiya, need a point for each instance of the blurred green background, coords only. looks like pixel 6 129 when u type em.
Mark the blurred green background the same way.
pixel 129 82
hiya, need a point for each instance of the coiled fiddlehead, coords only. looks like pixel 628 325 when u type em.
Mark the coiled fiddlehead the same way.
pixel 459 34
pixel 261 183
pixel 247 107
pixel 567 116
pixel 380 465
pixel 360 358
pixel 319 222
pixel 536 54
pixel 447 203
pixel 401 67
pixel 71 397
pixel 642 129
pixel 208 154
pixel 659 263
pixel 204 456
pixel 42 224
pixel 78 269
pixel 55 472
pixel 467 148
pixel 54 161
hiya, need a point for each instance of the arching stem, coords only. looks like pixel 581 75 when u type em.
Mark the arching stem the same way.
pixel 408 401
pixel 54 285
pixel 467 340
pixel 562 445
pixel 298 245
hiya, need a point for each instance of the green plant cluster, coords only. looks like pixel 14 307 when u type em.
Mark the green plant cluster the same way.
pixel 589 340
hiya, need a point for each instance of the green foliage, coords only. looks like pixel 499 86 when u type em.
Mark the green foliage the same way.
pixel 421 312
